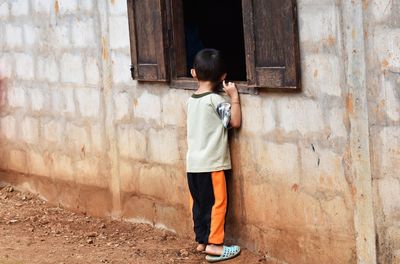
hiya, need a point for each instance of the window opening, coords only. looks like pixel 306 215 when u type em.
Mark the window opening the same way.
pixel 216 24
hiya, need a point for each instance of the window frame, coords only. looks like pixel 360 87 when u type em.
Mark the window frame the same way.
pixel 174 59
pixel 177 42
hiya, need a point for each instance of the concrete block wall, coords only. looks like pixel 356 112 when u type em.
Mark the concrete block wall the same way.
pixel 290 155
pixel 52 127
pixel 75 128
pixel 384 113
pixel 74 121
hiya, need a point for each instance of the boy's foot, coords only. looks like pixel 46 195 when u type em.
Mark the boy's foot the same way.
pixel 201 248
pixel 227 253
pixel 215 250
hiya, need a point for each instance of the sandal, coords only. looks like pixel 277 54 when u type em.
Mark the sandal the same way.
pixel 227 253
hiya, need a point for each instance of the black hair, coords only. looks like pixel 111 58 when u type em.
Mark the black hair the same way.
pixel 209 65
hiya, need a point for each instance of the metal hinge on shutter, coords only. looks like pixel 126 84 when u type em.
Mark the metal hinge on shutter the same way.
pixel 133 71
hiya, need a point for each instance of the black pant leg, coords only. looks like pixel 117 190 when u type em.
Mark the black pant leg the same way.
pixel 201 190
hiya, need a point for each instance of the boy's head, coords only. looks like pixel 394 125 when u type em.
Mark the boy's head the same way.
pixel 208 65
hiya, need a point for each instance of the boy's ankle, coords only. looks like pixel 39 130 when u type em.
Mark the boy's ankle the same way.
pixel 201 247
pixel 214 249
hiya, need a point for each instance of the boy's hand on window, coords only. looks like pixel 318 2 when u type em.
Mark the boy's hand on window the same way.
pixel 230 89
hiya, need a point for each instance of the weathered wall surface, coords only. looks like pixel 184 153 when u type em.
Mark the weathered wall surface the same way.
pixel 383 27
pixel 75 125
pixel 75 128
pixel 52 117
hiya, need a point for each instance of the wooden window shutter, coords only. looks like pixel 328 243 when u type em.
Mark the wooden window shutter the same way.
pixel 147 30
pixel 271 42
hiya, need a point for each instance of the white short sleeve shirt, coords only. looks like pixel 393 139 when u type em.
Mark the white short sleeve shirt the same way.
pixel 207 137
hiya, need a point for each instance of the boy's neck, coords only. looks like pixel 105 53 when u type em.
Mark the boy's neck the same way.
pixel 204 87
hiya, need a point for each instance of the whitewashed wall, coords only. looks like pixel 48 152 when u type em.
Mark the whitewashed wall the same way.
pixel 75 128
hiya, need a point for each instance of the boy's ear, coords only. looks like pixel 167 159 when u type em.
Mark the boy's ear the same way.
pixel 223 77
pixel 193 73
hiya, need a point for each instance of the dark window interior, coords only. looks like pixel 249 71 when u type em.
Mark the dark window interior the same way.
pixel 216 24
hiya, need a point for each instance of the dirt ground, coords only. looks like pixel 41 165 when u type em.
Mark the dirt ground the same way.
pixel 32 231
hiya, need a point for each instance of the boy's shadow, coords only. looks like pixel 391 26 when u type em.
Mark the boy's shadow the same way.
pixel 235 216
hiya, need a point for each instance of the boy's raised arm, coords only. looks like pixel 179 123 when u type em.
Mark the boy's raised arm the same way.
pixel 236 114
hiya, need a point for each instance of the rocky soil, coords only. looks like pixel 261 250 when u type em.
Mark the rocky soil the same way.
pixel 33 231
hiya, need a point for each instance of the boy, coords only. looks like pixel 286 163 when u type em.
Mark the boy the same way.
pixel 208 157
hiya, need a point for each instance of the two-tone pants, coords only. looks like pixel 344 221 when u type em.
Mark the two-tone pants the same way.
pixel 209 205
